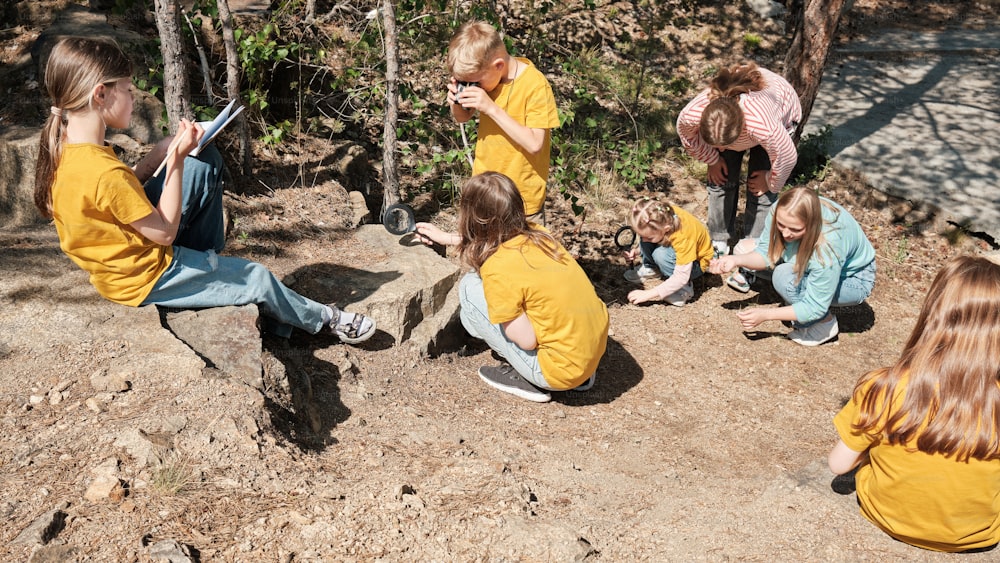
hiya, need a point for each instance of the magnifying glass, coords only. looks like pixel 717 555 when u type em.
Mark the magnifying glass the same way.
pixel 398 219
pixel 625 238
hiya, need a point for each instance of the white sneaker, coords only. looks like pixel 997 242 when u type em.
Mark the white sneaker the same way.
pixel 639 274
pixel 816 334
pixel 680 297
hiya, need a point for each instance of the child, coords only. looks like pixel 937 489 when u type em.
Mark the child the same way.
pixel 923 433
pixel 155 245
pixel 527 297
pixel 744 108
pixel 820 258
pixel 516 111
pixel 676 242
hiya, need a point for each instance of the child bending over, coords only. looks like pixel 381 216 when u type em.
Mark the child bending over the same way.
pixel 152 244
pixel 924 433
pixel 817 257
pixel 527 297
pixel 674 243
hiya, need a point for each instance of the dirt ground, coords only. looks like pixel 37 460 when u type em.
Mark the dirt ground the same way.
pixel 698 442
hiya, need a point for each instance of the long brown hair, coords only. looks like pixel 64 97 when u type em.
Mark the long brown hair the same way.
pixel 491 213
pixel 649 213
pixel 951 364
pixel 722 119
pixel 803 204
pixel 75 66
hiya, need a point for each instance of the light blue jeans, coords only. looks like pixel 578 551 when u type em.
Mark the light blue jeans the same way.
pixel 665 258
pixel 476 320
pixel 198 277
pixel 851 291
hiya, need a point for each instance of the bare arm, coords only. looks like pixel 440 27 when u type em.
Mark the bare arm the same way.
pixel 474 98
pixel 520 332
pixel 461 114
pixel 429 233
pixel 161 225
pixel 843 459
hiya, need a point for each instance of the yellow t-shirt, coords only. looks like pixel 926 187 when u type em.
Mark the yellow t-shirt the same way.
pixel 570 321
pixel 929 501
pixel 691 242
pixel 94 199
pixel 529 101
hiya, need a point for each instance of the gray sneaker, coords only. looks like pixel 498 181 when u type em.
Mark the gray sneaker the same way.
pixel 505 378
pixel 816 334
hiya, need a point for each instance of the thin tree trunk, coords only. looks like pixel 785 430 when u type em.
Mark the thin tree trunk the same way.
pixel 814 24
pixel 176 90
pixel 233 85
pixel 390 168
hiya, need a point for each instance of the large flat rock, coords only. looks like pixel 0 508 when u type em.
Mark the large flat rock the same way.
pixel 410 290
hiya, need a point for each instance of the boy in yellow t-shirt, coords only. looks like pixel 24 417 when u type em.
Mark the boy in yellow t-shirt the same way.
pixel 516 111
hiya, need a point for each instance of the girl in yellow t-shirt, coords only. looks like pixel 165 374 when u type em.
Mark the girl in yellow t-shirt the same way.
pixel 674 243
pixel 526 296
pixel 151 243
pixel 922 436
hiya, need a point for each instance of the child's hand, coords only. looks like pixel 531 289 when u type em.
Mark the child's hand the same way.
pixel 759 182
pixel 430 234
pixel 631 254
pixel 474 98
pixel 638 296
pixel 717 172
pixel 750 318
pixel 722 264
pixel 188 136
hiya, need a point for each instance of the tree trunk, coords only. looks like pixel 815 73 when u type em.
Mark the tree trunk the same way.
pixel 814 23
pixel 233 85
pixel 390 168
pixel 176 90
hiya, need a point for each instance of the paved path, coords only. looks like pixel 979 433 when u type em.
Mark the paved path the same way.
pixel 918 113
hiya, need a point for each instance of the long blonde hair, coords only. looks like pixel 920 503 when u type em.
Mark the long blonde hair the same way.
pixel 951 364
pixel 75 66
pixel 649 213
pixel 491 213
pixel 722 119
pixel 805 205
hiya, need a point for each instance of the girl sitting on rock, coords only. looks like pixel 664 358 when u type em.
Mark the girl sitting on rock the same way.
pixel 152 244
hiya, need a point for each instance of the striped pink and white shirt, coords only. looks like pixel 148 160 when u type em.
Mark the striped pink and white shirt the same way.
pixel 771 116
